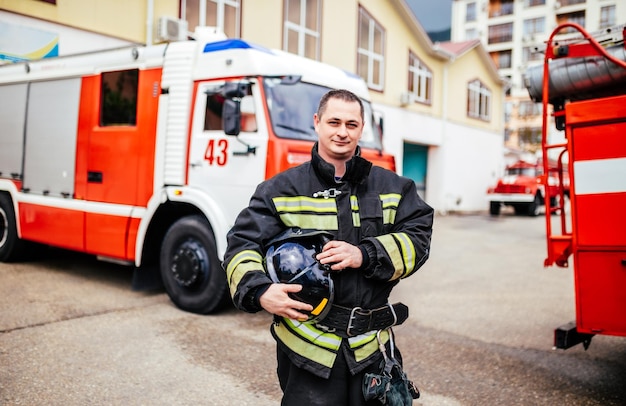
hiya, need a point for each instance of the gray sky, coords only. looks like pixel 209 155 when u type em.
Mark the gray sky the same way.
pixel 433 15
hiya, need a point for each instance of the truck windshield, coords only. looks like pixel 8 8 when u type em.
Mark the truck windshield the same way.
pixel 292 105
pixel 523 171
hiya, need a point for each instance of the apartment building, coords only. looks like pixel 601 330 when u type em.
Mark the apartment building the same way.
pixel 440 105
pixel 514 33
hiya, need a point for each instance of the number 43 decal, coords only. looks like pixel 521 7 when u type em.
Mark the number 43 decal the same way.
pixel 217 152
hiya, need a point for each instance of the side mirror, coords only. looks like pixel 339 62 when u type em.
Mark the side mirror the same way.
pixel 234 90
pixel 231 117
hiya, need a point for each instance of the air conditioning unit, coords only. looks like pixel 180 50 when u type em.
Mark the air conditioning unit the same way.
pixel 171 29
pixel 406 98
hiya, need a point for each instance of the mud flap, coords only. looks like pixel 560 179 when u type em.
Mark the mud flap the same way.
pixel 566 336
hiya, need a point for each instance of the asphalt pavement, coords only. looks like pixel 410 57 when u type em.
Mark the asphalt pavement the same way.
pixel 483 311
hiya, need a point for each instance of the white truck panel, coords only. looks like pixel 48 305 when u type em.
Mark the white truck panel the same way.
pixel 13 119
pixel 51 129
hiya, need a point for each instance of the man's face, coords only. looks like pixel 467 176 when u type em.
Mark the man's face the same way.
pixel 339 130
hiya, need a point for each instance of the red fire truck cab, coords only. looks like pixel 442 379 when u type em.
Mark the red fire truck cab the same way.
pixel 522 188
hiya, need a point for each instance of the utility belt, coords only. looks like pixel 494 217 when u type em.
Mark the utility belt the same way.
pixel 349 322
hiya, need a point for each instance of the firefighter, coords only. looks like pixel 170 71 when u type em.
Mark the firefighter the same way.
pixel 380 233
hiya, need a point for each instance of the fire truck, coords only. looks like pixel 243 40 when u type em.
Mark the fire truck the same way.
pixel 145 155
pixel 583 78
pixel 522 188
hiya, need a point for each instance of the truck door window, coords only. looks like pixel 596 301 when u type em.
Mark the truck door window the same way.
pixel 118 98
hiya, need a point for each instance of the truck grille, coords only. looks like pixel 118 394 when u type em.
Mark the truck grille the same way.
pixel 510 189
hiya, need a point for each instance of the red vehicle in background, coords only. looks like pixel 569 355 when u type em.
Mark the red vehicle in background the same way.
pixel 522 188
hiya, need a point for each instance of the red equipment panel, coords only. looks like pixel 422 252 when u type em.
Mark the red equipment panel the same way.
pixel 597 133
pixel 601 292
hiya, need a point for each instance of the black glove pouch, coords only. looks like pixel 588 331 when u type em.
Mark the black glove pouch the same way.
pixel 391 386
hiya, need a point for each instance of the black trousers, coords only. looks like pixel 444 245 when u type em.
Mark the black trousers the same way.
pixel 301 388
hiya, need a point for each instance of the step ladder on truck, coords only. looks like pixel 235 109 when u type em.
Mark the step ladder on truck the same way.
pixel 583 78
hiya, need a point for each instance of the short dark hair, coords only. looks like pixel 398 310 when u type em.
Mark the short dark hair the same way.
pixel 341 94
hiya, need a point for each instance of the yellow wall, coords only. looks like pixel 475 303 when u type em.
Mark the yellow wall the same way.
pixel 118 18
pixel 399 39
pixel 262 22
pixel 464 69
pixel 339 33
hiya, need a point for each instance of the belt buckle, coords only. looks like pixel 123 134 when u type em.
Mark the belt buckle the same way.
pixel 393 313
pixel 353 312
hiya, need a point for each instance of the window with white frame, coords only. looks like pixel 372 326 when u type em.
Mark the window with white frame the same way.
pixel 607 16
pixel 532 53
pixel 370 52
pixel 420 79
pixel 471 33
pixel 223 14
pixel 301 33
pixel 534 25
pixel 470 12
pixel 478 100
pixel 532 3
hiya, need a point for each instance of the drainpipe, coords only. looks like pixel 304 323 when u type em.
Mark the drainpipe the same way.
pixel 442 195
pixel 149 21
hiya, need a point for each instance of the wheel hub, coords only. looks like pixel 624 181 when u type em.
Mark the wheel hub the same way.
pixel 190 264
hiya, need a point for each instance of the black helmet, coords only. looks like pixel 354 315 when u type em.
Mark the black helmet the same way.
pixel 290 258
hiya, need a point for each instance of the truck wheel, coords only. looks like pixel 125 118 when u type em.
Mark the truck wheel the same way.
pixel 11 246
pixel 533 208
pixel 190 268
pixel 494 208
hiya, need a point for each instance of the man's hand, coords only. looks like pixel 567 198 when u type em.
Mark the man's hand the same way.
pixel 276 300
pixel 340 255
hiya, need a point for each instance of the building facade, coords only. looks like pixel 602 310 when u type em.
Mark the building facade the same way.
pixel 441 105
pixel 514 33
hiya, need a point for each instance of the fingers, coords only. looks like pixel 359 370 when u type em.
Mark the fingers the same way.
pixel 276 300
pixel 340 255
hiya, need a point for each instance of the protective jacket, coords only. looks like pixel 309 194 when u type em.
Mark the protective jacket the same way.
pixel 370 207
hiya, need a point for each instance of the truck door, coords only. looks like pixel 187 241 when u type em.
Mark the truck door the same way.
pixel 227 167
pixel 116 164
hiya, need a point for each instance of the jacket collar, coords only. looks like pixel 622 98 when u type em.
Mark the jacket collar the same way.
pixel 357 168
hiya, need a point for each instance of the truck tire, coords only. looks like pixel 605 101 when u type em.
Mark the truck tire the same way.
pixel 190 268
pixel 533 207
pixel 494 208
pixel 11 246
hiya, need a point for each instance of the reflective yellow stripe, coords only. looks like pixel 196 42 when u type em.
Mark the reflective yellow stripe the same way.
pixel 390 204
pixel 408 252
pixel 389 216
pixel 371 347
pixel 390 200
pixel 313 334
pixel 362 339
pixel 312 221
pixel 243 256
pixel 391 247
pixel 240 272
pixel 356 218
pixel 299 204
pixel 304 348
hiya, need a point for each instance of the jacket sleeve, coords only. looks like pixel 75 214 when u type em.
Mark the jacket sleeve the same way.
pixel 404 249
pixel 243 259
